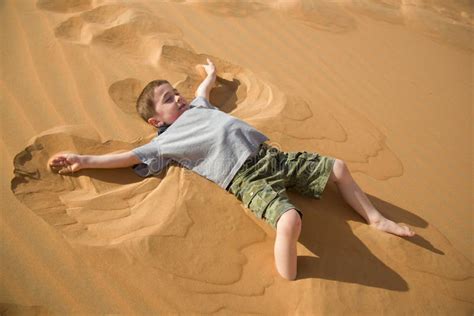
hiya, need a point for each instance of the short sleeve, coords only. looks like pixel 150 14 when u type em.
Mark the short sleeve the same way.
pixel 201 101
pixel 151 158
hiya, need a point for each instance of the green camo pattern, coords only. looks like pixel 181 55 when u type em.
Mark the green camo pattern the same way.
pixel 262 180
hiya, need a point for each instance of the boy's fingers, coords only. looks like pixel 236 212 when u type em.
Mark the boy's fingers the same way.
pixel 64 171
pixel 55 170
pixel 56 160
pixel 58 163
pixel 56 166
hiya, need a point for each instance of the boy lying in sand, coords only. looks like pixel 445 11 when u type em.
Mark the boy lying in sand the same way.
pixel 238 158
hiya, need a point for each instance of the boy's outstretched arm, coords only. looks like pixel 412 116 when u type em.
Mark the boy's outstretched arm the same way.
pixel 68 162
pixel 205 87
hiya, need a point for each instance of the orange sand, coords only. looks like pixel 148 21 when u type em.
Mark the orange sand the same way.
pixel 384 85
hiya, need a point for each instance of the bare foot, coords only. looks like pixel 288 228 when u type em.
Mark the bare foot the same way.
pixel 389 226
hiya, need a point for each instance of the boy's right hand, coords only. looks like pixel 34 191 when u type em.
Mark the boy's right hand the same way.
pixel 65 163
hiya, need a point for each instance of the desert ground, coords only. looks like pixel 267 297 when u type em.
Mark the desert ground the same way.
pixel 386 86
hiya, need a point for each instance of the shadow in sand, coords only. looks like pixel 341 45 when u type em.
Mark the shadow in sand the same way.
pixel 224 94
pixel 342 256
pixel 112 176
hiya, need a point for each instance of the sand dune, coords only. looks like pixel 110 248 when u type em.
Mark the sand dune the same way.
pixel 386 86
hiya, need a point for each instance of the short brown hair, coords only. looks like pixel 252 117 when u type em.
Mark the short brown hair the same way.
pixel 146 100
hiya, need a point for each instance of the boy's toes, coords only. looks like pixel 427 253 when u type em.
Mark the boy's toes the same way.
pixel 408 232
pixel 400 230
pixel 411 232
pixel 389 226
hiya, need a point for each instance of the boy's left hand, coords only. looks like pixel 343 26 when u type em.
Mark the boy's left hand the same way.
pixel 209 68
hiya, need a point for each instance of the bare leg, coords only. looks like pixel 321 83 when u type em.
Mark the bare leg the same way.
pixel 356 198
pixel 288 231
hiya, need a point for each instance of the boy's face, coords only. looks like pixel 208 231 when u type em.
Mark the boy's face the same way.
pixel 169 105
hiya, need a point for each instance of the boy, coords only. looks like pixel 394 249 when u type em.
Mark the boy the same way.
pixel 234 155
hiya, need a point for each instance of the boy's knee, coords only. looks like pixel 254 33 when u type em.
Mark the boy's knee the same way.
pixel 289 223
pixel 339 170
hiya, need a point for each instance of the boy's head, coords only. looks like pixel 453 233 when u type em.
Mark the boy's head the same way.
pixel 160 104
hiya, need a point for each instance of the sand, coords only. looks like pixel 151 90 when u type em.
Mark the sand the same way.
pixel 385 86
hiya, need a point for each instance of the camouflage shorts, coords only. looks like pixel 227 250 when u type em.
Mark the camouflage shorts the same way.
pixel 262 180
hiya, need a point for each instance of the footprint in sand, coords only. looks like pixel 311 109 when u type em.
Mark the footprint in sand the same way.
pixel 122 28
pixel 64 6
pixel 326 16
pixel 236 9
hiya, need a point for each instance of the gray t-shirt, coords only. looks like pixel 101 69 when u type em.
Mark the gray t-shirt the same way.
pixel 203 139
